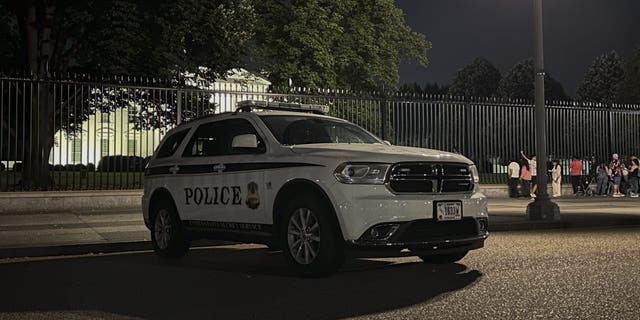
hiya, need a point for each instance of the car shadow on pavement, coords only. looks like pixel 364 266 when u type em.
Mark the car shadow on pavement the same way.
pixel 221 283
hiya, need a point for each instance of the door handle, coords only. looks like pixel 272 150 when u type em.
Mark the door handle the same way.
pixel 219 167
pixel 174 169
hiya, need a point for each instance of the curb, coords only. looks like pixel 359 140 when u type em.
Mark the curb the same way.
pixel 65 201
pixel 90 248
pixel 564 224
pixel 74 249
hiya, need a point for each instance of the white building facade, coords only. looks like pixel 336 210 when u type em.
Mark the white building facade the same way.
pixel 115 133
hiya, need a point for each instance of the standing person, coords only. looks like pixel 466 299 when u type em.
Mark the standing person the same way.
pixel 634 179
pixel 602 178
pixel 615 170
pixel 575 171
pixel 514 175
pixel 525 178
pixel 556 178
pixel 533 166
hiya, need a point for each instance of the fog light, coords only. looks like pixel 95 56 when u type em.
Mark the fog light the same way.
pixel 483 225
pixel 381 232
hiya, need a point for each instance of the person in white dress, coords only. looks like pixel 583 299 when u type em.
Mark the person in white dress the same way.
pixel 556 178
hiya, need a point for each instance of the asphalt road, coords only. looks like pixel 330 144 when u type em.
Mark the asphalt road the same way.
pixel 555 274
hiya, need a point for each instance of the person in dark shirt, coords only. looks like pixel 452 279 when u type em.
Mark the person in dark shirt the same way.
pixel 602 178
pixel 634 178
pixel 615 170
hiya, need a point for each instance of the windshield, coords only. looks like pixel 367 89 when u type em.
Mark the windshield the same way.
pixel 291 130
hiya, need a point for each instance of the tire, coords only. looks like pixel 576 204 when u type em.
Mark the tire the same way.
pixel 444 258
pixel 311 240
pixel 167 233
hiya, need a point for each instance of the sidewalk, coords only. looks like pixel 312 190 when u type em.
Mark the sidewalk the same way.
pixel 83 232
pixel 576 212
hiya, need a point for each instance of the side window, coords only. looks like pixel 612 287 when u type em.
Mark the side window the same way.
pixel 216 139
pixel 171 144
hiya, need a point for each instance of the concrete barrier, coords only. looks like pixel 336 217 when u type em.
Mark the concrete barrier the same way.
pixel 65 201
pixel 501 191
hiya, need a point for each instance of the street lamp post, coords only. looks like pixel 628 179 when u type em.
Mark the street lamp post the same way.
pixel 542 208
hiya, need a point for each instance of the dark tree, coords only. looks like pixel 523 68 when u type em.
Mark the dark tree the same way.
pixel 436 89
pixel 603 79
pixel 161 38
pixel 480 78
pixel 411 88
pixel 630 86
pixel 518 84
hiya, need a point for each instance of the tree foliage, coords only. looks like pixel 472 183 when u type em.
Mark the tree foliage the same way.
pixel 10 39
pixel 602 80
pixel 435 88
pixel 128 37
pixel 480 78
pixel 518 83
pixel 350 44
pixel 629 91
pixel 412 88
pixel 432 88
pixel 160 38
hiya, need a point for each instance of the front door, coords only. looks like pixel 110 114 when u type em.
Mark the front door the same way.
pixel 219 182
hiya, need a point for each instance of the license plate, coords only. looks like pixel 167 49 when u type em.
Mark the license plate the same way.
pixel 447 211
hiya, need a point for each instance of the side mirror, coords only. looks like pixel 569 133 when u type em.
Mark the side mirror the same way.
pixel 245 141
pixel 386 142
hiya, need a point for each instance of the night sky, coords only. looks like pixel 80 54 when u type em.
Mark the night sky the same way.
pixel 575 32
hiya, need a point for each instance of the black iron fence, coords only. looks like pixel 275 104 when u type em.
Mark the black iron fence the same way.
pixel 84 134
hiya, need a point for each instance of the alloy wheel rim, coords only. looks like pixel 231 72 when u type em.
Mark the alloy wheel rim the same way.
pixel 303 236
pixel 163 228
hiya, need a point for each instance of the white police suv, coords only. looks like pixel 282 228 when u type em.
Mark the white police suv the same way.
pixel 317 187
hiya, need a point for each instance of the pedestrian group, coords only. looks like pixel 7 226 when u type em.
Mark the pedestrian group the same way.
pixel 614 179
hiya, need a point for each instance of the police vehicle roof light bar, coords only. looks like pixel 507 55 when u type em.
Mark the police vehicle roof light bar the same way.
pixel 249 105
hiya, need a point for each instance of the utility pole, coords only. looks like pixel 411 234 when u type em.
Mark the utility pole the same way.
pixel 542 208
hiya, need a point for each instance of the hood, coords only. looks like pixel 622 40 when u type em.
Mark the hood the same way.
pixel 376 153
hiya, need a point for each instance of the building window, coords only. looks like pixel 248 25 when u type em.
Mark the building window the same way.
pixel 104 147
pixel 131 147
pixel 76 151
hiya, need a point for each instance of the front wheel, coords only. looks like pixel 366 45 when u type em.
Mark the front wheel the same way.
pixel 444 258
pixel 167 234
pixel 311 241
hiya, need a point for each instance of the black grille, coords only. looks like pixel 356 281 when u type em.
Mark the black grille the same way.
pixel 412 185
pixel 429 230
pixel 430 178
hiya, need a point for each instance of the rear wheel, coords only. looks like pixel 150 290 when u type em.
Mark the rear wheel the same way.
pixel 443 258
pixel 167 233
pixel 311 240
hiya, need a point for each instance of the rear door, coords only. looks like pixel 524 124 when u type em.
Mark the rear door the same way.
pixel 221 183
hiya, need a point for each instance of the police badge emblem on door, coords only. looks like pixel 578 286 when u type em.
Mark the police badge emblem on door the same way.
pixel 253 198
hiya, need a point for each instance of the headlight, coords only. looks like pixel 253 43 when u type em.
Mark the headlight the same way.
pixel 361 173
pixel 474 173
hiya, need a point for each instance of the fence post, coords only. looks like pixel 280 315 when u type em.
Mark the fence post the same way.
pixel 467 133
pixel 609 132
pixel 179 109
pixel 384 130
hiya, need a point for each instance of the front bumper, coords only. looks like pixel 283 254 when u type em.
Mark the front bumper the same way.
pixel 359 207
pixel 423 237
